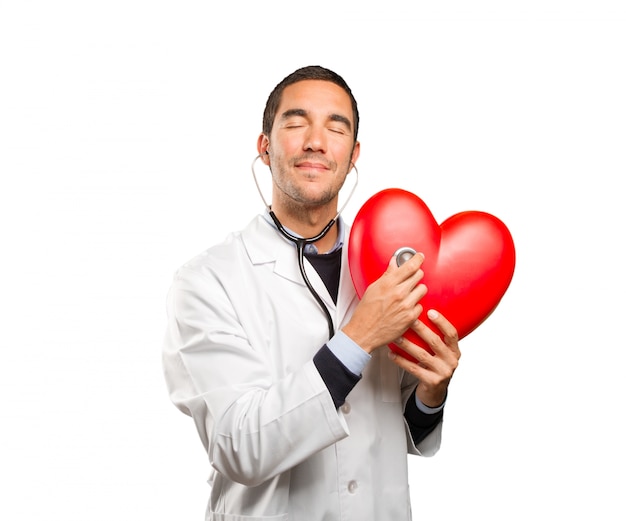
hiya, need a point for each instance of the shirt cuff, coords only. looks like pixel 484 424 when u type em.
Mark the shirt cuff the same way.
pixel 421 419
pixel 349 352
pixel 428 410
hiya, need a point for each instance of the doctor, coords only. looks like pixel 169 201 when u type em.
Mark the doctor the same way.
pixel 299 426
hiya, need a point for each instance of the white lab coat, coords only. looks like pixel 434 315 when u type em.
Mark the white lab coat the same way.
pixel 242 332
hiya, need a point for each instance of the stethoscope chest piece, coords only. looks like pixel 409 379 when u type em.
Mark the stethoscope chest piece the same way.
pixel 403 254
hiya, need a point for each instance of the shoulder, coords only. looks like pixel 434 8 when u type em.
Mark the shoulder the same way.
pixel 227 254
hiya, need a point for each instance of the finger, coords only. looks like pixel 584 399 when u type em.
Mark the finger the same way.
pixel 432 372
pixel 445 344
pixel 418 369
pixel 410 273
pixel 420 354
pixel 417 259
pixel 430 338
pixel 409 266
pixel 439 363
pixel 449 332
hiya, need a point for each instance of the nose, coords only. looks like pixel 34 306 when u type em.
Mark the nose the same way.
pixel 315 140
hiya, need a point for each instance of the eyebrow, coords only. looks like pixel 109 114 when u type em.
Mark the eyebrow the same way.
pixel 302 113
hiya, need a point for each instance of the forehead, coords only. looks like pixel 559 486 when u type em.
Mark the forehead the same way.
pixel 316 97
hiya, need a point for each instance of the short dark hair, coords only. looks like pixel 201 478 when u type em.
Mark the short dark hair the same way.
pixel 311 72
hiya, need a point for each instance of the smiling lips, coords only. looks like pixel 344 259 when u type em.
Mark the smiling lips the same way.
pixel 312 164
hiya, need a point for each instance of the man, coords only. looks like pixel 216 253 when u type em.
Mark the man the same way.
pixel 297 425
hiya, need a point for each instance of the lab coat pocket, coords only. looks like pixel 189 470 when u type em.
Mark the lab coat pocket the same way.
pixel 389 379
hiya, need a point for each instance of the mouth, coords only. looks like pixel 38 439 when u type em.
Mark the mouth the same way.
pixel 312 165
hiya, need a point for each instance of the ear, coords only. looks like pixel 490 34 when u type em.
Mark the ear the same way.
pixel 262 146
pixel 356 151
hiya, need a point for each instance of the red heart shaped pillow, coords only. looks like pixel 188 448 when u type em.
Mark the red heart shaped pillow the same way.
pixel 469 258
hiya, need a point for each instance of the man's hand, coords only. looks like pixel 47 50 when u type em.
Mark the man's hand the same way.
pixel 433 371
pixel 389 305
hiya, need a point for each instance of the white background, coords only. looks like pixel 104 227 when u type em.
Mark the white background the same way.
pixel 127 129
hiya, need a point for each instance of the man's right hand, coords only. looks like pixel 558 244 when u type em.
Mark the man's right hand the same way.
pixel 389 306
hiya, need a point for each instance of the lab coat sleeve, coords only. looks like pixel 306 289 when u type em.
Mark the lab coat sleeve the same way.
pixel 253 423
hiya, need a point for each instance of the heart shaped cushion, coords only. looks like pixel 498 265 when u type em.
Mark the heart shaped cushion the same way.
pixel 468 265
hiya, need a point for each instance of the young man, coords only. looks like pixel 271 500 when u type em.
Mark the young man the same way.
pixel 299 426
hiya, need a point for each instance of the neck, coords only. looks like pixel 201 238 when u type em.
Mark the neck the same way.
pixel 309 224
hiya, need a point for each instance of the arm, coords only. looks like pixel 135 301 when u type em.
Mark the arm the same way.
pixel 434 372
pixel 388 308
pixel 253 423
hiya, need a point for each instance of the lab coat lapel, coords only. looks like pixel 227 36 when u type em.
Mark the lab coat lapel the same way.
pixel 266 245
pixel 347 293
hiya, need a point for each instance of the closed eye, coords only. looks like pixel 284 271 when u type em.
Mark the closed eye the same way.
pixel 293 118
pixel 342 124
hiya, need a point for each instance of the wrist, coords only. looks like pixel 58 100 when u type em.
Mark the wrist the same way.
pixel 430 399
pixel 352 332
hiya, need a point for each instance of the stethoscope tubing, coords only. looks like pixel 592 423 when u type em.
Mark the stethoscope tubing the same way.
pixel 301 242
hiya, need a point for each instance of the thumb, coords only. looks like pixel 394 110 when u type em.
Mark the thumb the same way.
pixel 393 264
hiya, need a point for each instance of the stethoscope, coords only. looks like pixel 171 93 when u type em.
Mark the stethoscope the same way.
pixel 301 242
